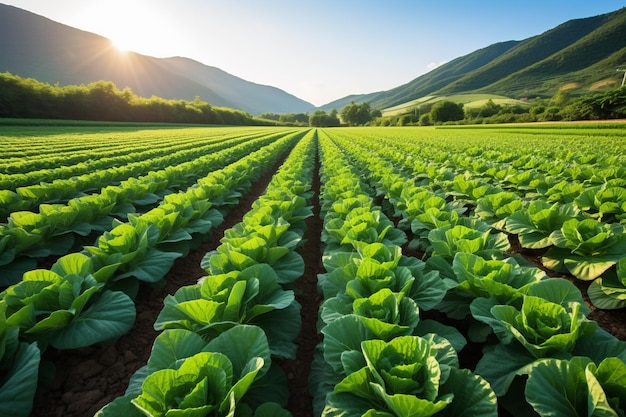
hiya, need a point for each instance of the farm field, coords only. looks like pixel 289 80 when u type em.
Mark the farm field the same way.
pixel 307 266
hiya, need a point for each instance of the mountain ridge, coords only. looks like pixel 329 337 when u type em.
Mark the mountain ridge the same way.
pixel 34 46
pixel 579 54
pixel 531 67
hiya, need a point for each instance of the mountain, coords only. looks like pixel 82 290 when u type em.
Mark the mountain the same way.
pixel 258 98
pixel 36 47
pixel 580 55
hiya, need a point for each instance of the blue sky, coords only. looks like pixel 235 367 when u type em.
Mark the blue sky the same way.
pixel 318 51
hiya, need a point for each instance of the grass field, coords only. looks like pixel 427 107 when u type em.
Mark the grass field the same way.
pixel 468 100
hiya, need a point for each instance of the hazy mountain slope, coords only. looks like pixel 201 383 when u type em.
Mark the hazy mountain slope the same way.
pixel 257 98
pixel 344 101
pixel 37 47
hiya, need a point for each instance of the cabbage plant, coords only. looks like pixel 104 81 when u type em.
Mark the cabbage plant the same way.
pixel 364 225
pixel 475 277
pixel 186 376
pixel 219 302
pixel 609 290
pixel 134 248
pixel 546 325
pixel 578 387
pixel 410 376
pixel 67 306
pixel 495 209
pixel 585 248
pixel 19 370
pixel 267 240
pixel 534 223
pixel 375 266
pixel 603 203
pixel 449 240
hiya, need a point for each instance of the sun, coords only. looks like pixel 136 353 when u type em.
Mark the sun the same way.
pixel 120 45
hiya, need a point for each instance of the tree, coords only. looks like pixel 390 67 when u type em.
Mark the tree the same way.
pixel 489 109
pixel 425 120
pixel 356 114
pixel 446 111
pixel 319 118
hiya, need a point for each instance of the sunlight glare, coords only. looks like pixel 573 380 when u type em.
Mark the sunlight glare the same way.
pixel 120 45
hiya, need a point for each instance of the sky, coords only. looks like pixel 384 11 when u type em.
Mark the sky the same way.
pixel 319 51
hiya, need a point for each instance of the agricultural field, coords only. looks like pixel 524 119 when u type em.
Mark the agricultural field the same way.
pixel 468 101
pixel 274 271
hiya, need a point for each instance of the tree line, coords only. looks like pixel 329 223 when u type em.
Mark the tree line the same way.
pixel 607 105
pixel 103 101
pixel 352 114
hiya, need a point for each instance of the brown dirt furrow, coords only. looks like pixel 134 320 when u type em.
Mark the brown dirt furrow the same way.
pixel 298 370
pixel 88 378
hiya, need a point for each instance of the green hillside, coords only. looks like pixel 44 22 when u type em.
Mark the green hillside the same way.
pixel 581 55
pixel 468 101
pixel 32 46
pixel 590 60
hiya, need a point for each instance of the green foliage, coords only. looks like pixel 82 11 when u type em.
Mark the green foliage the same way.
pixel 609 291
pixel 357 114
pixel 67 306
pixel 319 118
pixel 19 369
pixel 446 111
pixel 410 376
pixel 578 387
pixel 548 322
pixel 102 100
pixel 223 301
pixel 585 248
pixel 188 376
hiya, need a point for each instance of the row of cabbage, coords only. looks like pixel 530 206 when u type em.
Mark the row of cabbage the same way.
pixel 25 191
pixel 377 357
pixel 569 204
pixel 54 153
pixel 57 228
pixel 531 326
pixel 87 297
pixel 213 356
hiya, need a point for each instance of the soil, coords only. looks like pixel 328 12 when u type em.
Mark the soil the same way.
pixel 89 378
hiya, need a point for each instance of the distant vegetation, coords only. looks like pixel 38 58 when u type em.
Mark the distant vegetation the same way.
pixel 601 106
pixel 103 101
pixel 319 118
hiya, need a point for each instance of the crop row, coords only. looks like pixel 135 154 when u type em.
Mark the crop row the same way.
pixel 455 204
pixel 219 335
pixel 117 151
pixel 529 325
pixel 86 298
pixel 20 195
pixel 54 229
pixel 76 151
pixel 378 357
pixel 574 212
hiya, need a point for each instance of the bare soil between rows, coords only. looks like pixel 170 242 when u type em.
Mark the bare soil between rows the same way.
pixel 89 378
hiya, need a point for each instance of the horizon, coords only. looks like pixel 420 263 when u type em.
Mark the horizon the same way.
pixel 319 54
